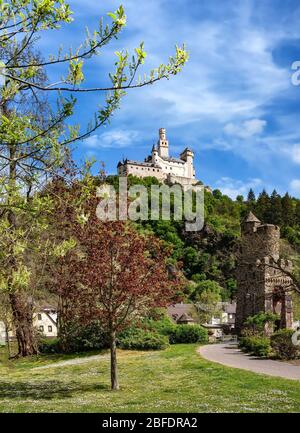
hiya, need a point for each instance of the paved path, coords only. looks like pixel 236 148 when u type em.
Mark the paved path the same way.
pixel 228 354
pixel 74 361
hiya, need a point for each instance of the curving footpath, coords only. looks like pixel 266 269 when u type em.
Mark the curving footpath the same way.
pixel 228 354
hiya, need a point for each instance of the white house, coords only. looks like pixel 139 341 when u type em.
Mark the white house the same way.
pixel 44 320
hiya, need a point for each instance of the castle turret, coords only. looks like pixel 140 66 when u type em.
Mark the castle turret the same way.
pixel 154 154
pixel 250 224
pixel 188 156
pixel 269 239
pixel 163 144
pixel 263 285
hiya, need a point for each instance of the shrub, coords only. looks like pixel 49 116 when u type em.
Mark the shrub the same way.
pixel 282 345
pixel 140 339
pixel 163 326
pixel 75 337
pixel 188 334
pixel 49 345
pixel 256 345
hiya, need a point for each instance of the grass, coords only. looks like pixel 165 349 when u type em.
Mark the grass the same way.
pixel 174 380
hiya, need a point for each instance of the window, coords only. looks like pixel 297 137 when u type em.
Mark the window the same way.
pixel 41 328
pixel 49 328
pixel 39 316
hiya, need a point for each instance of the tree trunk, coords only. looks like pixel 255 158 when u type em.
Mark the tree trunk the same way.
pixel 113 361
pixel 21 307
pixel 7 340
pixel 22 315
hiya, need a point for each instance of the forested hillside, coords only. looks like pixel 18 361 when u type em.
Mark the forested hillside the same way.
pixel 209 256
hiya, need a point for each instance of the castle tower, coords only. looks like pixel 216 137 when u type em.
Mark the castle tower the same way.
pixel 188 156
pixel 163 144
pixel 262 286
pixel 154 154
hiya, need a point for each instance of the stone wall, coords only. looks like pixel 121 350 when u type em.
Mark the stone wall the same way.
pixel 262 286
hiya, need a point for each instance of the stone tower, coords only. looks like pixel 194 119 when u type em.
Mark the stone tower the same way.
pixel 163 144
pixel 261 285
pixel 188 156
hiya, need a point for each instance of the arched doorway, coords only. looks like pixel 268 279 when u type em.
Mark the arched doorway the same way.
pixel 279 307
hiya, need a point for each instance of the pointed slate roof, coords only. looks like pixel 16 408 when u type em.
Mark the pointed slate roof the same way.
pixel 185 318
pixel 251 218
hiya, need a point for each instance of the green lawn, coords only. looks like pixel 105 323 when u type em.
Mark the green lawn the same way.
pixel 175 380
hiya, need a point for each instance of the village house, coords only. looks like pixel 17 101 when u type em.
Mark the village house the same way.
pixel 218 325
pixel 44 321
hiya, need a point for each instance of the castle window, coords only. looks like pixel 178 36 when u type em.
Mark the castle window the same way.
pixel 39 317
pixel 49 328
pixel 41 328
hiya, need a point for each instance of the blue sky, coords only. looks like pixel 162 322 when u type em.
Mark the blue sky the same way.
pixel 234 102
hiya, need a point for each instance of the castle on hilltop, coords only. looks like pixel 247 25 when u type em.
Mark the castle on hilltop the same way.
pixel 161 165
pixel 262 276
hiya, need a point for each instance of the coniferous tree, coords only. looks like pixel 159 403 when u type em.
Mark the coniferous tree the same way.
pixel 297 213
pixel 287 210
pixel 274 214
pixel 262 206
pixel 251 196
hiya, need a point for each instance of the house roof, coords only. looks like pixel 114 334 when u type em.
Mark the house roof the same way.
pixel 176 311
pixel 230 307
pixel 185 318
pixel 172 159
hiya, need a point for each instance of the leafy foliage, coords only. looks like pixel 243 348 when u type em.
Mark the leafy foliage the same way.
pixel 256 345
pixel 141 339
pixel 188 334
pixel 282 345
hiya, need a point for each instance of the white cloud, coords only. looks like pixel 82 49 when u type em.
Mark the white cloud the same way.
pixel 235 187
pixel 295 186
pixel 295 153
pixel 114 138
pixel 246 129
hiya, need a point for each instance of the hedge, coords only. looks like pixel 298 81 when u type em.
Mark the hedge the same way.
pixel 140 339
pixel 188 334
pixel 256 345
pixel 282 345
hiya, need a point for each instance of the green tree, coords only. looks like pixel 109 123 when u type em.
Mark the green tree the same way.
pixel 251 199
pixel 207 299
pixel 287 210
pixel 274 214
pixel 262 206
pixel 35 139
pixel 297 213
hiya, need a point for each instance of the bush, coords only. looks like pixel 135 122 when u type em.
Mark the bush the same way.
pixel 49 345
pixel 256 345
pixel 76 338
pixel 282 345
pixel 188 334
pixel 140 339
pixel 163 326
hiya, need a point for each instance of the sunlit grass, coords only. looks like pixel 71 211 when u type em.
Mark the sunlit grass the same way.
pixel 175 380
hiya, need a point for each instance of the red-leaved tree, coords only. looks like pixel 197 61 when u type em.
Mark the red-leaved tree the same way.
pixel 115 275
